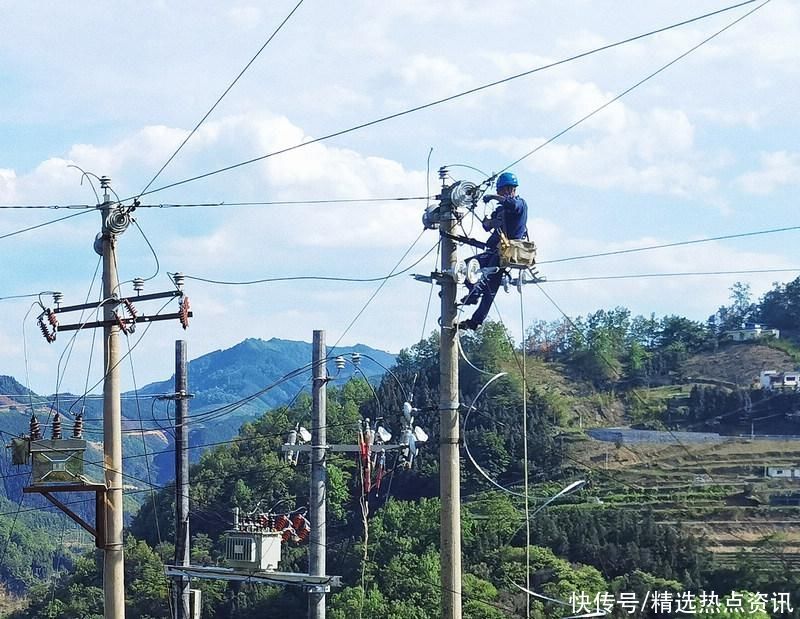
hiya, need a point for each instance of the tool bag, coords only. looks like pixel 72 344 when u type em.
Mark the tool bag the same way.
pixel 516 252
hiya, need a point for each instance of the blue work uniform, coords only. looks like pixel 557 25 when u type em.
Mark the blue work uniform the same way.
pixel 510 217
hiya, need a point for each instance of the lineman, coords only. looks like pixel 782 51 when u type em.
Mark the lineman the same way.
pixel 511 218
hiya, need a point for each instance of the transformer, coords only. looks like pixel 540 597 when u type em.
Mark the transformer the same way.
pixel 57 460
pixel 253 550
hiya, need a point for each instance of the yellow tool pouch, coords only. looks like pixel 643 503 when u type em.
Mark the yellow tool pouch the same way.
pixel 517 253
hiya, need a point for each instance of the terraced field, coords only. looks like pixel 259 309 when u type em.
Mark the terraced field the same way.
pixel 718 491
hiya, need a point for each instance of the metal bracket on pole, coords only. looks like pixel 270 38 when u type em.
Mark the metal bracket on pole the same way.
pixel 111 323
pixel 314 584
pixel 99 530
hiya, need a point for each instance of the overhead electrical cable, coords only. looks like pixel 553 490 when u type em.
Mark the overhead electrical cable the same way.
pixel 60 372
pixel 465 441
pixel 41 225
pixel 226 204
pixel 144 443
pixel 26 296
pixel 47 206
pixel 123 357
pixel 618 252
pixel 325 278
pixel 589 278
pixel 449 98
pixel 392 273
pixel 636 85
pixel 285 202
pixel 525 453
pixel 222 96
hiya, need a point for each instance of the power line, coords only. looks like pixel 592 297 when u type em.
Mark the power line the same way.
pixel 41 225
pixel 26 296
pixel 315 277
pixel 225 204
pixel 449 98
pixel 674 244
pixel 222 96
pixel 285 202
pixel 636 85
pixel 46 206
pixel 680 274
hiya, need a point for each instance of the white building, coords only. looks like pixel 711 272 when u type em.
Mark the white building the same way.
pixel 751 331
pixel 786 472
pixel 777 381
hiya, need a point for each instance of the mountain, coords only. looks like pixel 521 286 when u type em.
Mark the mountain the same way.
pixel 229 386
pixel 225 376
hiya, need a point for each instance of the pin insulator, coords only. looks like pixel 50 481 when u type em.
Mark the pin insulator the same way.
pixel 340 362
pixel 58 297
pixel 138 285
pixel 178 279
pixel 355 358
pixel 77 429
pixel 36 429
pixel 56 427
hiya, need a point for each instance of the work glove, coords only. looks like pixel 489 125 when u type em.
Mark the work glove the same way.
pixel 489 197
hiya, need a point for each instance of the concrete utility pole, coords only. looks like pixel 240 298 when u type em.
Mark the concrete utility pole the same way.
pixel 317 496
pixel 113 559
pixel 182 556
pixel 449 466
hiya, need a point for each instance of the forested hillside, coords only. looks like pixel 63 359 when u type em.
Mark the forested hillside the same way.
pixel 619 533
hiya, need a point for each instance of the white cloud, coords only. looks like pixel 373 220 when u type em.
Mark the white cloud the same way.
pixel 8 185
pixel 73 94
pixel 434 75
pixel 732 118
pixel 573 100
pixel 245 17
pixel 777 169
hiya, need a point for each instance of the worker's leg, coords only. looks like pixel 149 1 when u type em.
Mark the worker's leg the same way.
pixel 491 287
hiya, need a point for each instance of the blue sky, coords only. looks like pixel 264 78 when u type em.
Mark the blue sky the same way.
pixel 706 148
